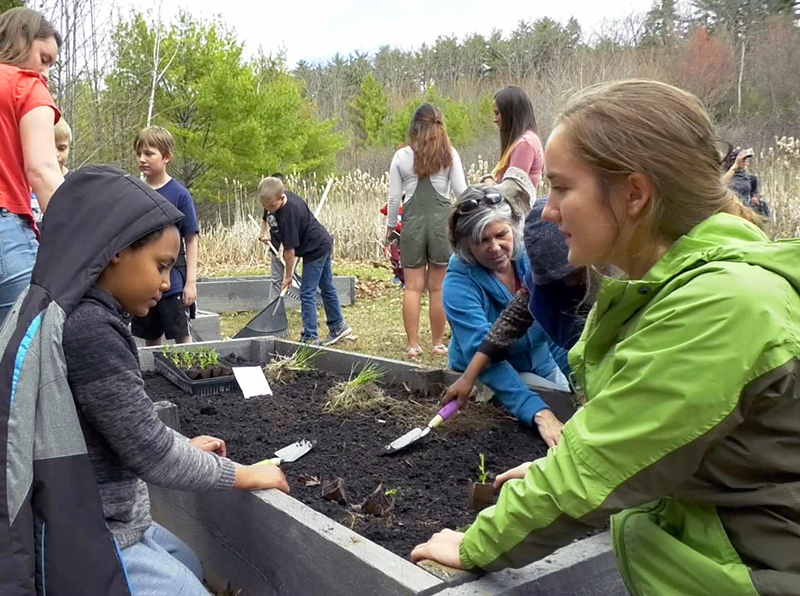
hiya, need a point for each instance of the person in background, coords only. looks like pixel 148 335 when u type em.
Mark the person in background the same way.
pixel 169 319
pixel 486 271
pixel 63 136
pixel 304 237
pixel 689 367
pixel 553 294
pixel 745 184
pixel 270 234
pixel 520 146
pixel 29 46
pixel 424 171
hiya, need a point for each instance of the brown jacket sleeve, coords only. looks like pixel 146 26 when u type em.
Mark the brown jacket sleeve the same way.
pixel 512 324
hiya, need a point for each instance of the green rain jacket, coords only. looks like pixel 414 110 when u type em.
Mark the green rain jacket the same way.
pixel 690 433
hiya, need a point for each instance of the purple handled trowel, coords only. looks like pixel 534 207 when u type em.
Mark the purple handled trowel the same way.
pixel 418 433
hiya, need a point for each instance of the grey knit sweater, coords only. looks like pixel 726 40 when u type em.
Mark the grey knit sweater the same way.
pixel 128 445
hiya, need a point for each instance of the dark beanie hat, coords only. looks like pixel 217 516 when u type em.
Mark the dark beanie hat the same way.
pixel 546 247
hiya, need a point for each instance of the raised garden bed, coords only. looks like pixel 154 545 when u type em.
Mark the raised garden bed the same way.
pixel 231 294
pixel 428 483
pixel 268 543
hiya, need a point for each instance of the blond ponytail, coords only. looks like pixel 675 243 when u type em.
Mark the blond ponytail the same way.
pixel 734 206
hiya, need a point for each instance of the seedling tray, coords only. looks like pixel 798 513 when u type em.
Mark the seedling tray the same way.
pixel 210 386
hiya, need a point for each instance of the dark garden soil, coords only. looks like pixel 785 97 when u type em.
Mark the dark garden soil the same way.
pixel 429 480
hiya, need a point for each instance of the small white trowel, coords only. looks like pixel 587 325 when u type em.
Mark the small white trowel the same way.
pixel 289 453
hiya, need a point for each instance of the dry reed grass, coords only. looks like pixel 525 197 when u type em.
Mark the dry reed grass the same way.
pixel 352 211
pixel 778 169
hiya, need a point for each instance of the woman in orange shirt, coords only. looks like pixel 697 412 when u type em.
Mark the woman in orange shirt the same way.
pixel 29 46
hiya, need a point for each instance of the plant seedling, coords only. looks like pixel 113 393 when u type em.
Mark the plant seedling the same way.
pixel 203 362
pixel 390 492
pixel 359 393
pixel 484 475
pixel 168 351
pixel 206 357
pixel 171 353
pixel 187 359
pixel 284 369
pixel 213 356
pixel 481 493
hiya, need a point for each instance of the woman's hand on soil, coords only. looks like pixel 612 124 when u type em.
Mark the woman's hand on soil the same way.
pixel 213 444
pixel 261 477
pixel 549 426
pixel 460 390
pixel 513 473
pixel 443 547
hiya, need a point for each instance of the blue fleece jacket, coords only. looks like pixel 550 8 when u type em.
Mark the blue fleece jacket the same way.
pixel 473 300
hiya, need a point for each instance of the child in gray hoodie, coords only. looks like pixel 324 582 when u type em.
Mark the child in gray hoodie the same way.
pixel 91 277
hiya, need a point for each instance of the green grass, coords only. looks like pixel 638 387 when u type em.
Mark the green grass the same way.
pixel 234 272
pixel 376 318
pixel 361 270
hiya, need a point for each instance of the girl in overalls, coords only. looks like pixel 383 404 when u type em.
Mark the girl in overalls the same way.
pixel 425 170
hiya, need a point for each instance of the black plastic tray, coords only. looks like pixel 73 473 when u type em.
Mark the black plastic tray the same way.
pixel 210 386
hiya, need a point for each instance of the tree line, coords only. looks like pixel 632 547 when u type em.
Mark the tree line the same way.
pixel 236 117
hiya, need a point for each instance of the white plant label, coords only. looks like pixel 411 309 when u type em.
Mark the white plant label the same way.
pixel 252 381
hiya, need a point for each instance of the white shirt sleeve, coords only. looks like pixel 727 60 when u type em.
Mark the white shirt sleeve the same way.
pixel 458 181
pixel 395 191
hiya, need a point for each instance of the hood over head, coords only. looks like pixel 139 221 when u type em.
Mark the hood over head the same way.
pixel 98 211
pixel 546 247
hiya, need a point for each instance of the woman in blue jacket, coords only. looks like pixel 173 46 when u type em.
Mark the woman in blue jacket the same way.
pixel 485 272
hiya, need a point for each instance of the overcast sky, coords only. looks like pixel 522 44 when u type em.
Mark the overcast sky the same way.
pixel 315 30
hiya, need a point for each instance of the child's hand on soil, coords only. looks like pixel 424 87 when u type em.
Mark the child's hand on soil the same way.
pixel 549 426
pixel 443 547
pixel 213 444
pixel 260 477
pixel 513 473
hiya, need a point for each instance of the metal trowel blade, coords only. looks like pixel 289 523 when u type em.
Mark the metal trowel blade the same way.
pixel 403 441
pixel 295 451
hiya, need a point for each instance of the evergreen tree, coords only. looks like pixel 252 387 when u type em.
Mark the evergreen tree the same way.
pixel 8 4
pixel 370 111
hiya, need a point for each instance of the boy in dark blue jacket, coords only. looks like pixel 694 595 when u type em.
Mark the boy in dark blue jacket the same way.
pixel 169 319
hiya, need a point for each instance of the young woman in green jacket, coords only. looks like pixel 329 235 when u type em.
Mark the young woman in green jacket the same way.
pixel 690 433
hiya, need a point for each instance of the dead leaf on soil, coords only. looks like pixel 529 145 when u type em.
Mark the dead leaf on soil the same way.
pixel 335 491
pixel 378 503
pixel 306 480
